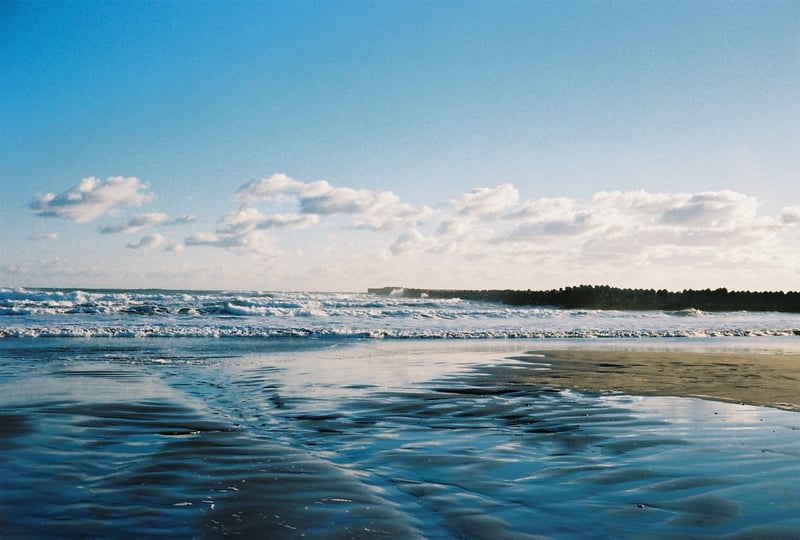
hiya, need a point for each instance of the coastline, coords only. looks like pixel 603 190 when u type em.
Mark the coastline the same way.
pixel 770 380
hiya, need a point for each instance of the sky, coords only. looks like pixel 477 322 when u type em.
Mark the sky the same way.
pixel 340 145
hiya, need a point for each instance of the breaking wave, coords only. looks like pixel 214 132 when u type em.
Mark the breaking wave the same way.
pixel 255 332
pixel 154 313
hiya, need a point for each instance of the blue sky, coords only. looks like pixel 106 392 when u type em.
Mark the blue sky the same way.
pixel 341 145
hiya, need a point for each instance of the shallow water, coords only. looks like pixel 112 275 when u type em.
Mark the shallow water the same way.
pixel 320 438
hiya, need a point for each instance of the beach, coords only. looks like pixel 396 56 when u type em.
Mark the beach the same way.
pixel 211 414
pixel 766 379
pixel 211 438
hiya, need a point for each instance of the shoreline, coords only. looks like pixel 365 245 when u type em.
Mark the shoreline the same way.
pixel 412 439
pixel 769 380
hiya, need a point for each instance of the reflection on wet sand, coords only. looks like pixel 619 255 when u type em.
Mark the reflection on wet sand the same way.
pixel 441 443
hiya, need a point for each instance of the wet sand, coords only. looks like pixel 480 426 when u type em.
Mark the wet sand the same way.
pixel 771 380
pixel 430 440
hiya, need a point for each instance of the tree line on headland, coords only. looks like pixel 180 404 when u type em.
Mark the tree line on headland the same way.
pixel 606 297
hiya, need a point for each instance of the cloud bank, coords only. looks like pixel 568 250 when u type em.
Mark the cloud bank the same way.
pixel 636 231
pixel 485 235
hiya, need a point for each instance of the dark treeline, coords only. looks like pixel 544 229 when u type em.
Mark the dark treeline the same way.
pixel 605 297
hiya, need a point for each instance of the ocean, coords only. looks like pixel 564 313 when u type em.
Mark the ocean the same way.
pixel 207 414
pixel 158 313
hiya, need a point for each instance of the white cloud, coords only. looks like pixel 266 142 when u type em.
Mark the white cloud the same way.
pixel 144 221
pixel 275 186
pixel 148 242
pixel 713 210
pixel 487 203
pixel 790 215
pixel 248 219
pixel 204 239
pixel 92 198
pixel 175 247
pixel 43 236
pixel 610 235
pixel 136 223
pixel 372 210
pixel 545 209
pixel 481 204
pixel 189 218
pixel 254 242
pixel 644 218
pixel 322 198
pixel 366 209
pixel 242 231
pixel 495 232
pixel 412 242
pixel 575 224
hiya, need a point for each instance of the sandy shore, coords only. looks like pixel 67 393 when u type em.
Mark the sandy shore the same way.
pixel 411 439
pixel 771 380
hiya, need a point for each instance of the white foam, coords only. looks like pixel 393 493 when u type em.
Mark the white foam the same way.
pixel 45 312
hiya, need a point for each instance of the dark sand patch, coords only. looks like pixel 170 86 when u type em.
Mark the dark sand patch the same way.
pixel 771 380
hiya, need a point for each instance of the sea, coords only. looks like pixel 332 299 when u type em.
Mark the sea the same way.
pixel 257 414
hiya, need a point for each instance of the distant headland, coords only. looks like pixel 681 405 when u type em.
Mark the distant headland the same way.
pixel 606 297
